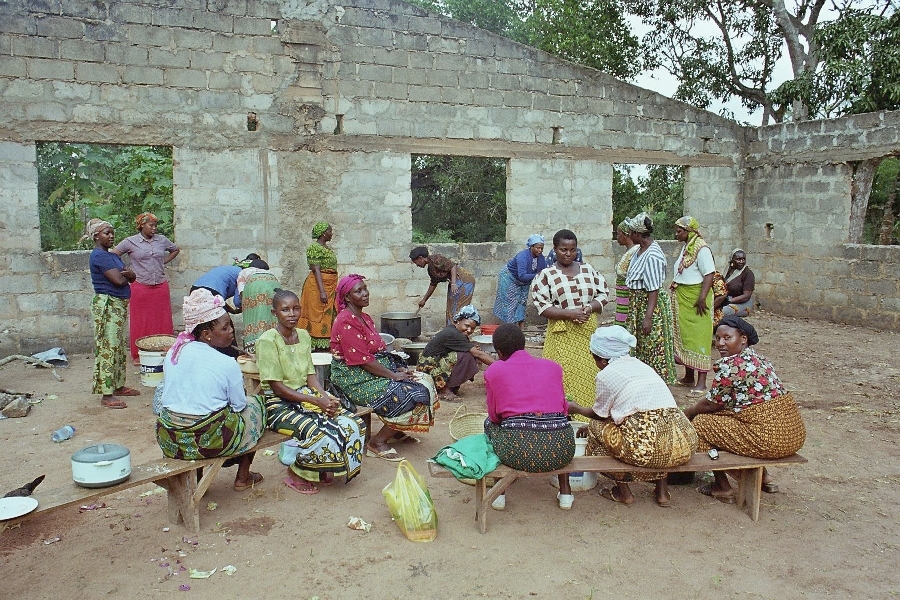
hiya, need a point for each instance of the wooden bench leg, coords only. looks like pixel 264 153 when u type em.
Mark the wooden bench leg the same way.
pixel 180 491
pixel 749 491
pixel 484 497
pixel 367 419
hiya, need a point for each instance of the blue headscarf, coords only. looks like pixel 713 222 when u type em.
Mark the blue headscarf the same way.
pixel 534 239
pixel 468 312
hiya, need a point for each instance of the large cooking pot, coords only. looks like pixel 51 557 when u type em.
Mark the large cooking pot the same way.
pixel 102 465
pixel 401 324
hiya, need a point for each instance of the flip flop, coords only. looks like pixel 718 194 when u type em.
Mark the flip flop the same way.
pixel 298 487
pixel 695 393
pixel 255 479
pixel 401 437
pixel 707 490
pixel 770 488
pixel 114 403
pixel 666 503
pixel 610 494
pixel 389 455
pixel 126 391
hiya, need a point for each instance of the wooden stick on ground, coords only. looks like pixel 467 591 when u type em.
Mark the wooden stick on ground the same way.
pixel 33 361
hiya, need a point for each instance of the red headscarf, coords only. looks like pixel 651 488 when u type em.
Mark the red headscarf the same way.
pixel 344 286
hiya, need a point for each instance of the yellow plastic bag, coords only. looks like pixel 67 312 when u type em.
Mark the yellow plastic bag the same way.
pixel 410 504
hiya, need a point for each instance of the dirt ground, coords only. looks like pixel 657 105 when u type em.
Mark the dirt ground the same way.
pixel 832 532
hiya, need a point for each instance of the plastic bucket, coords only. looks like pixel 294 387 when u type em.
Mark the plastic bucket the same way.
pixel 151 367
pixel 322 363
pixel 579 480
pixel 489 329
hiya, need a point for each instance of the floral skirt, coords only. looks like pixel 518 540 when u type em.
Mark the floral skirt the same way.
pixel 656 348
pixel 568 344
pixel 512 298
pixel 533 443
pixel 111 343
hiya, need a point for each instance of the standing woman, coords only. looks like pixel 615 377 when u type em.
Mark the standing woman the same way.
pixel 740 282
pixel 151 306
pixel 650 312
pixel 692 304
pixel 623 294
pixel 317 310
pixel 568 294
pixel 461 286
pixel 256 286
pixel 109 309
pixel 515 280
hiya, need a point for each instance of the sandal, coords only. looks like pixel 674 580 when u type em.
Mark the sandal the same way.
pixel 695 393
pixel 126 391
pixel 664 502
pixel 402 437
pixel 770 487
pixel 389 455
pixel 113 403
pixel 301 487
pixel 610 494
pixel 255 478
pixel 707 490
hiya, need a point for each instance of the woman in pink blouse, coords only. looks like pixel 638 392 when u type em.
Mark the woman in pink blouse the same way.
pixel 369 375
pixel 151 306
pixel 747 410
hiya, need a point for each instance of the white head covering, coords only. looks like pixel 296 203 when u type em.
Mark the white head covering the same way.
pixel 612 342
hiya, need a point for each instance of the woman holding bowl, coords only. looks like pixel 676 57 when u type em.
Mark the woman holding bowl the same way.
pixel 515 280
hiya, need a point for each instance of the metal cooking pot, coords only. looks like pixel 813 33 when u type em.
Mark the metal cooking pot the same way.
pixel 100 466
pixel 401 324
pixel 414 349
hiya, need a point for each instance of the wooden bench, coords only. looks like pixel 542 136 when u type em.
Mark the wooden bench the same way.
pixel 749 473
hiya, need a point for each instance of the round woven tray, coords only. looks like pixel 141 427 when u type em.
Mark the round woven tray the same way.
pixel 464 423
pixel 155 343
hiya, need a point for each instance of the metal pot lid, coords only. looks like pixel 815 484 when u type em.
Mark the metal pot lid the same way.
pixel 401 316
pixel 100 452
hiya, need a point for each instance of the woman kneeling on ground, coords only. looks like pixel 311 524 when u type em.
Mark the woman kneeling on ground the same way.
pixel 527 422
pixel 369 375
pixel 450 358
pixel 330 437
pixel 635 418
pixel 205 413
pixel 747 410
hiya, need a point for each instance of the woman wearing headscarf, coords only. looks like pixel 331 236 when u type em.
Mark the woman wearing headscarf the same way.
pixel 747 410
pixel 369 375
pixel 623 294
pixel 317 309
pixel 205 412
pixel 450 358
pixel 256 286
pixel 151 304
pixel 634 418
pixel 692 304
pixel 649 311
pixel 515 280
pixel 109 309
pixel 569 294
pixel 460 286
pixel 740 283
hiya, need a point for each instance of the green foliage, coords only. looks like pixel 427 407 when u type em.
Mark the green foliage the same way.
pixel 883 196
pixel 458 199
pixel 660 194
pixel 77 182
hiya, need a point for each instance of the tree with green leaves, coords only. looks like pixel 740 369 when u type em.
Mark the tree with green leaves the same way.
pixel 659 193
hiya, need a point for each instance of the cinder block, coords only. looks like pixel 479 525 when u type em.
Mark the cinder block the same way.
pixel 96 72
pixel 12 66
pixel 208 21
pixel 164 57
pixel 39 47
pixel 143 75
pixel 129 13
pixel 252 26
pixel 188 78
pixel 39 68
pixel 143 35
pixel 219 80
pixel 267 45
pixel 59 28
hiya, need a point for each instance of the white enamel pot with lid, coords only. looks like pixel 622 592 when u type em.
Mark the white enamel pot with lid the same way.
pixel 101 465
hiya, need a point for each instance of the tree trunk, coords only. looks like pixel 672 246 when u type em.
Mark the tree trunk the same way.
pixel 888 218
pixel 860 189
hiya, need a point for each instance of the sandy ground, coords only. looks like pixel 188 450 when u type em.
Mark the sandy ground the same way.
pixel 831 533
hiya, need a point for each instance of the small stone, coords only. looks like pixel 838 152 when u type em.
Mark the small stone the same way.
pixel 17 408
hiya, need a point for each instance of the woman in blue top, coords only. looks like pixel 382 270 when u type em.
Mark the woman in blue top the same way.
pixel 109 310
pixel 515 281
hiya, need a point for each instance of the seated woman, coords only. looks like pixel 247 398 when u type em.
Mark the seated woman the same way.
pixel 450 358
pixel 527 420
pixel 363 369
pixel 330 437
pixel 747 410
pixel 635 418
pixel 205 413
pixel 740 282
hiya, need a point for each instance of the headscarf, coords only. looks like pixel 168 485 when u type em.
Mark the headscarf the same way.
pixel 638 224
pixel 417 252
pixel 624 227
pixel 320 228
pixel 144 218
pixel 737 273
pixel 695 241
pixel 347 283
pixel 93 227
pixel 252 258
pixel 468 312
pixel 202 306
pixel 742 326
pixel 534 239
pixel 612 342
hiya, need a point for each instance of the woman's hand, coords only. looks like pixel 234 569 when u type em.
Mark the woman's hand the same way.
pixel 422 303
pixel 323 297
pixel 700 305
pixel 330 406
pixel 647 324
pixel 579 315
pixel 402 376
pixel 128 274
pixel 453 287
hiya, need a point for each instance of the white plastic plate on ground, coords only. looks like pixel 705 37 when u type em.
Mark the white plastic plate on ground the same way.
pixel 10 508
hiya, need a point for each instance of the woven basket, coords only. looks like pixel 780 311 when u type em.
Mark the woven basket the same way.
pixel 155 343
pixel 464 423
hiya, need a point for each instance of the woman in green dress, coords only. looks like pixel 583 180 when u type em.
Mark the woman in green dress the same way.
pixel 317 311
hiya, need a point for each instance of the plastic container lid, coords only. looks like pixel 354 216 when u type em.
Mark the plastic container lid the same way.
pixel 100 452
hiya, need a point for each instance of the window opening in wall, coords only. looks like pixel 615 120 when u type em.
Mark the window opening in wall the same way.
pixel 458 198
pixel 655 189
pixel 882 224
pixel 77 182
